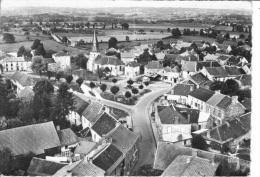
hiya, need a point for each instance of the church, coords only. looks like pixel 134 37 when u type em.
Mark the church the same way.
pixel 96 61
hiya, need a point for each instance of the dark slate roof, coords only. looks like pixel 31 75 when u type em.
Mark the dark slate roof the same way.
pixel 108 157
pixel 223 71
pixel 191 115
pixel 234 60
pixel 170 115
pixel 123 138
pixel 154 65
pixel 202 94
pixel 232 70
pixel 133 64
pixel 87 169
pixel 67 137
pixel 42 167
pixel 92 112
pixel 199 78
pixel 26 93
pixel 181 89
pixel 202 64
pixel 247 103
pixel 80 104
pixel 108 60
pixel 104 124
pixel 195 166
pixel 32 138
pixel 225 102
pixel 245 79
pixel 206 84
pixel 215 99
pixel 49 60
pixel 189 66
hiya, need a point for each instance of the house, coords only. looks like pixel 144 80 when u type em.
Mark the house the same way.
pixel 75 116
pixel 91 114
pixel 68 139
pixel 42 167
pixel 16 63
pixel 220 73
pixel 51 64
pixel 229 134
pixel 152 68
pixel 84 148
pixel 21 81
pixel 197 79
pixel 222 47
pixel 83 168
pixel 132 69
pixel 247 69
pixel 202 64
pixel 167 152
pixel 188 68
pixel 112 63
pixel 210 57
pixel 173 126
pixel 40 139
pixel 184 165
pixel 224 108
pixel 170 75
pixel 62 60
pixel 245 81
pixel 222 59
pixel 179 93
pixel 127 57
pixel 27 92
pixel 103 126
pixel 197 98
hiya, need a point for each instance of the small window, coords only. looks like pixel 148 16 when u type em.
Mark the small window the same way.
pixel 201 107
pixel 196 104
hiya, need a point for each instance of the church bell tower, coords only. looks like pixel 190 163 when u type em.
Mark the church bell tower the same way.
pixel 93 53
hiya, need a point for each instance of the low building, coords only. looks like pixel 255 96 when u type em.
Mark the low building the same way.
pixel 127 57
pixel 179 93
pixel 22 81
pixel 222 47
pixel 132 69
pixel 68 139
pixel 152 68
pixel 16 63
pixel 170 75
pixel 62 60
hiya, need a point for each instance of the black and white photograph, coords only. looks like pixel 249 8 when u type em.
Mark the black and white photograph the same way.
pixel 129 88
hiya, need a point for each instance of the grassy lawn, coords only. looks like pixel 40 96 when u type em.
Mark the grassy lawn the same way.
pixel 20 37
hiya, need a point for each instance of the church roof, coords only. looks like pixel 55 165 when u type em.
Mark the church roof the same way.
pixel 95 47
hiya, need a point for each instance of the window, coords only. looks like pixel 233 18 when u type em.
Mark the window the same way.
pixel 201 107
pixel 196 104
pixel 169 129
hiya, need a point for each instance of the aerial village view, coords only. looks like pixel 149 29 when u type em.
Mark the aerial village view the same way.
pixel 125 89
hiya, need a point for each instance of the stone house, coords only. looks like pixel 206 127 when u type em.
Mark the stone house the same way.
pixel 132 69
pixel 179 93
pixel 170 75
pixel 62 60
pixel 152 68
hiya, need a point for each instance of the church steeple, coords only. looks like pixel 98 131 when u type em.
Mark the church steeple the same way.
pixel 95 47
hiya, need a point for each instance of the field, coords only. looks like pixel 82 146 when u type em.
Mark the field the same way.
pixel 20 37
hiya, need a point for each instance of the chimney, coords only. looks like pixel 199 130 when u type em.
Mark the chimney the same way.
pixel 176 120
pixel 234 99
pixel 213 161
pixel 58 127
pixel 188 160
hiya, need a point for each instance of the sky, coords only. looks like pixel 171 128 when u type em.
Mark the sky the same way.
pixel 119 3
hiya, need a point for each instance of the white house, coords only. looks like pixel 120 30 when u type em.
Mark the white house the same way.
pixel 152 68
pixel 22 81
pixel 132 69
pixel 223 47
pixel 16 63
pixel 62 60
pixel 127 57
pixel 170 75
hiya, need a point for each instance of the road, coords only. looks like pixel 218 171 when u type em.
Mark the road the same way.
pixel 141 121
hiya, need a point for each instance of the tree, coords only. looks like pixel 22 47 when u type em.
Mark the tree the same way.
pixel 36 44
pixel 128 95
pixel 220 39
pixel 130 82
pixel 125 26
pixel 242 94
pixel 49 53
pixel 6 161
pixel 114 80
pixel 92 85
pixel 230 87
pixel 146 84
pixel 87 24
pixel 147 170
pixel 103 87
pixel 43 86
pixel 201 32
pixel 140 87
pixel 141 31
pixel 112 43
pixel 8 38
pixel 79 81
pixel 145 57
pixel 227 36
pixel 198 142
pixel 176 32
pixel 135 91
pixel 127 39
pixel 49 74
pixel 27 33
pixel 152 31
pixel 58 76
pixel 168 30
pixel 63 103
pixel 188 31
pixel 69 78
pixel 26 112
pixel 64 40
pixel 101 73
pixel 38 65
pixel 21 51
pixel 242 36
pixel 114 90
pixel 216 85
pixel 40 51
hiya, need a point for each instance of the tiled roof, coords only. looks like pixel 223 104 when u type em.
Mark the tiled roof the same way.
pixel 34 138
pixel 60 54
pixel 202 94
pixel 22 79
pixel 84 147
pixel 133 64
pixel 80 104
pixel 154 65
pixel 26 93
pixel 170 115
pixel 123 138
pixel 127 55
pixel 215 99
pixel 245 79
pixel 191 115
pixel 198 78
pixel 67 137
pixel 189 66
pixel 223 71
pixel 87 169
pixel 108 157
pixel 108 60
pixel 247 103
pixel 225 102
pixel 206 84
pixel 42 167
pixel 104 124
pixel 181 89
pixel 190 166
pixel 92 112
pixel 245 119
pixel 232 70
pixel 202 64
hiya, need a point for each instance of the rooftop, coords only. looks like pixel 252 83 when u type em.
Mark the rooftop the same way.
pixel 154 65
pixel 198 78
pixel 60 54
pixel 92 112
pixel 85 168
pixel 26 93
pixel 202 94
pixel 108 60
pixel 67 137
pixel 84 147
